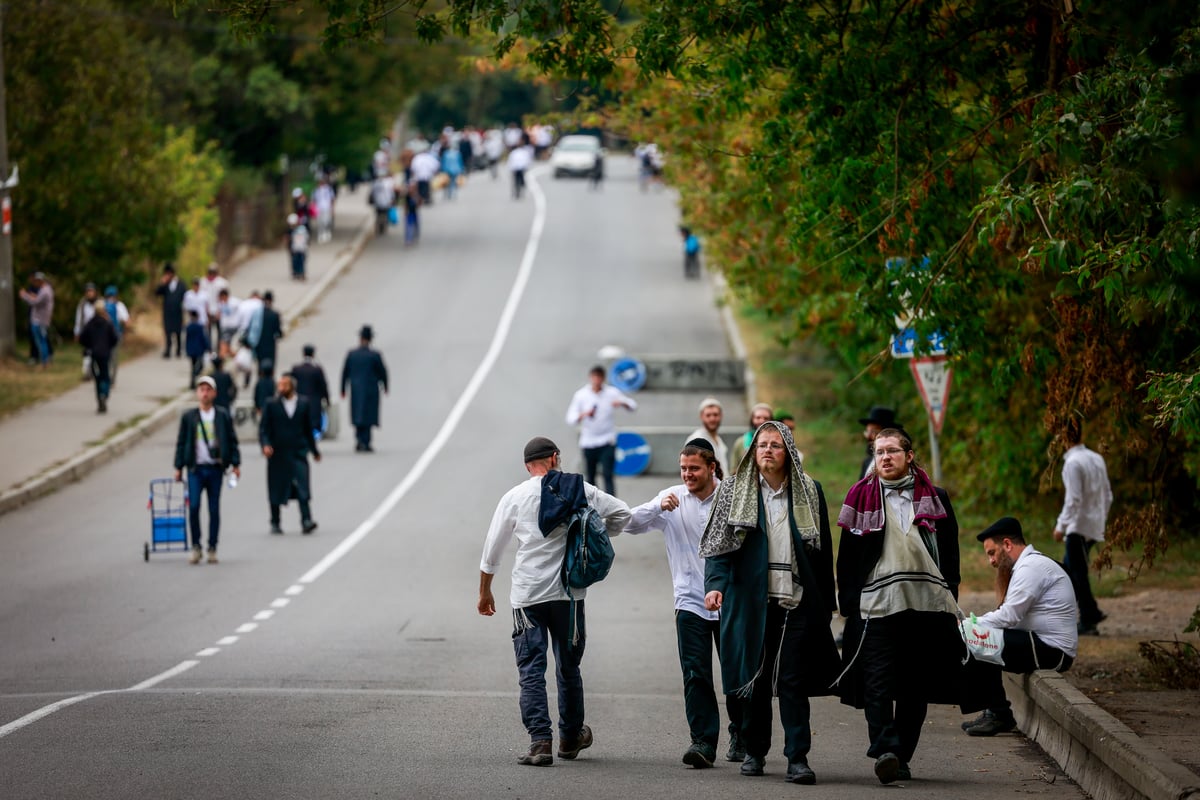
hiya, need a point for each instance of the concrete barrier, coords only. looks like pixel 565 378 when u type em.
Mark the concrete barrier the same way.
pixel 694 373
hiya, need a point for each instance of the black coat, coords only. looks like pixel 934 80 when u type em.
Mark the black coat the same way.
pixel 292 440
pixel 225 438
pixel 936 674
pixel 312 386
pixel 99 337
pixel 272 330
pixel 172 305
pixel 226 389
pixel 741 576
pixel 364 373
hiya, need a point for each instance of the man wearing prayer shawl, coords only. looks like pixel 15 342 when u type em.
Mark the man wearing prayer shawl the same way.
pixel 897 571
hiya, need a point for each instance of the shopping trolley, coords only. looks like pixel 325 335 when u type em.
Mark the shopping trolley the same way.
pixel 168 506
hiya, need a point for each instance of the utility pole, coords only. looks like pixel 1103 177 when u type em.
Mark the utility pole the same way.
pixel 8 299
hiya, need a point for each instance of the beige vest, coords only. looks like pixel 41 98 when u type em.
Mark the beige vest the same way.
pixel 905 577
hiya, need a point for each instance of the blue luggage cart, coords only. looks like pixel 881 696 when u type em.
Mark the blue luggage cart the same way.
pixel 168 506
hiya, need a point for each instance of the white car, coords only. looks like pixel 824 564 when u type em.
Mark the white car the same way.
pixel 576 155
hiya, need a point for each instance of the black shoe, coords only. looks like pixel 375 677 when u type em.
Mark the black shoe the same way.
pixel 568 749
pixel 904 773
pixel 700 755
pixel 538 755
pixel 275 528
pixel 360 447
pixel 737 751
pixel 752 767
pixel 166 355
pixel 308 526
pixel 102 406
pixel 801 772
pixel 887 767
pixel 971 723
pixel 992 725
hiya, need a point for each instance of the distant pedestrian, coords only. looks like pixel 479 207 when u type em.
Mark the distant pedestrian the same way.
pixel 711 414
pixel 287 438
pixel 425 166
pixel 592 408
pixel 194 300
pixel 691 253
pixel 210 288
pixel 1088 497
pixel 84 311
pixel 264 388
pixel 323 199
pixel 226 385
pixel 596 174
pixel 206 445
pixel 412 219
pixel 364 374
pixel 230 321
pixel 741 446
pixel 172 290
pixel 40 299
pixel 312 386
pixel 99 339
pixel 383 199
pixel 298 237
pixel 520 159
pixel 196 344
pixel 878 418
pixel 118 315
pixel 787 419
pixel 545 618
pixel 452 165
pixel 269 329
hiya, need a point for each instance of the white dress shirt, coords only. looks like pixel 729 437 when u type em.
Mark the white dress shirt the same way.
pixel 681 531
pixel 599 429
pixel 900 501
pixel 536 575
pixel 781 552
pixel 1088 494
pixel 1040 598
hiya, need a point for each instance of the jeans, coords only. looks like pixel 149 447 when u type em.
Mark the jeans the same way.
pixel 537 629
pixel 1075 561
pixel 696 637
pixel 605 457
pixel 205 478
pixel 101 377
pixel 41 342
pixel 783 649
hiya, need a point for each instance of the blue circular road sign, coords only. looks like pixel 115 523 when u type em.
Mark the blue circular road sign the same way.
pixel 633 454
pixel 628 374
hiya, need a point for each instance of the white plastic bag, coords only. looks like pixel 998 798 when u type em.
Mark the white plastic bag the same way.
pixel 984 642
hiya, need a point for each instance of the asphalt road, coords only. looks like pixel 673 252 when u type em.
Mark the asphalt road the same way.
pixel 351 663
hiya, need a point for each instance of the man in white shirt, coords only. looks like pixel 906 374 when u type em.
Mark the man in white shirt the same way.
pixel 680 513
pixel 520 159
pixel 1081 522
pixel 210 287
pixel 592 410
pixel 544 615
pixel 710 422
pixel 194 300
pixel 424 168
pixel 1037 617
pixel 229 319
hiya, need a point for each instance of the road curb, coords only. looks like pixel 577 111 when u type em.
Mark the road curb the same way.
pixel 1100 753
pixel 93 457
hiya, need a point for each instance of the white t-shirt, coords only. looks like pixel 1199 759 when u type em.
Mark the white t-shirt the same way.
pixel 599 429
pixel 425 166
pixel 520 158
pixel 206 428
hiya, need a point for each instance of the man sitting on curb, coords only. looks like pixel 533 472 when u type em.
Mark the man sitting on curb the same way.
pixel 1037 615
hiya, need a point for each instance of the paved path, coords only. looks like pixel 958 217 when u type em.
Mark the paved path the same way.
pixel 49 434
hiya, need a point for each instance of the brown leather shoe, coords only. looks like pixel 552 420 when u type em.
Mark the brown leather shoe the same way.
pixel 538 755
pixel 569 749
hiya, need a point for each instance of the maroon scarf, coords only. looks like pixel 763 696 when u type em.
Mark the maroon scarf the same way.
pixel 862 511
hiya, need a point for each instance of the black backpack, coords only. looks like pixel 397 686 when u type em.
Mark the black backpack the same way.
pixel 589 555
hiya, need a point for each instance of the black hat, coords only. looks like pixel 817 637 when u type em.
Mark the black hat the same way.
pixel 309 350
pixel 539 447
pixel 1003 528
pixel 169 267
pixel 882 416
pixel 703 444
pixel 366 333
pixel 268 296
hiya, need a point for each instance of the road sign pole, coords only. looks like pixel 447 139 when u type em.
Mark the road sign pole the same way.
pixel 935 455
pixel 8 294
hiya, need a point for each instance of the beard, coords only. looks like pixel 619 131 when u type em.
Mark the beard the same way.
pixel 1004 571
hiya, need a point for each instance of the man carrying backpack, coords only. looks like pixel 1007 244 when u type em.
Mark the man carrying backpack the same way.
pixel 546 613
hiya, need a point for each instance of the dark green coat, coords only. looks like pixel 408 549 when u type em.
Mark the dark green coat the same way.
pixel 741 576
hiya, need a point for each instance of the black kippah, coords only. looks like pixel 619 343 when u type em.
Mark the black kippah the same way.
pixel 539 447
pixel 703 444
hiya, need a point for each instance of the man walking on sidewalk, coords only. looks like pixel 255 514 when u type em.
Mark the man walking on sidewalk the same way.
pixel 171 290
pixel 592 410
pixel 544 615
pixel 680 512
pixel 1082 519
pixel 206 444
pixel 312 386
pixel 287 438
pixel 99 339
pixel 364 374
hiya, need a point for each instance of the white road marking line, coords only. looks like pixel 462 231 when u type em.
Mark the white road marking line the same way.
pixel 280 602
pixel 460 407
pixel 397 494
pixel 264 615
pixel 225 641
pixel 208 651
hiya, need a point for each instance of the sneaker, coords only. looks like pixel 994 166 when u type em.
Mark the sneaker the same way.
pixel 971 723
pixel 700 755
pixel 800 772
pixel 887 768
pixel 568 749
pixel 993 724
pixel 308 526
pixel 194 558
pixel 538 755
pixel 275 528
pixel 212 555
pixel 737 750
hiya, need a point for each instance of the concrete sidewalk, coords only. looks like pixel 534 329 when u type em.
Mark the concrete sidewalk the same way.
pixel 58 441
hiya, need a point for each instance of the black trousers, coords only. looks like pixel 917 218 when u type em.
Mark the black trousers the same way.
pixel 894 720
pixel 604 457
pixel 1023 653
pixel 784 647
pixel 1075 561
pixel 362 435
pixel 696 637
pixel 178 336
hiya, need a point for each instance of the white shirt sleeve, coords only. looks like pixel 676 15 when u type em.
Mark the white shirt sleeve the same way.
pixel 575 409
pixel 1072 476
pixel 1022 593
pixel 648 516
pixel 625 399
pixel 615 512
pixel 504 523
